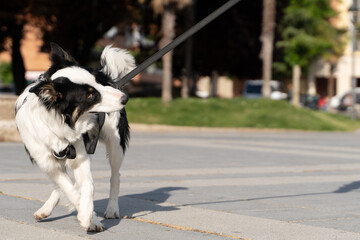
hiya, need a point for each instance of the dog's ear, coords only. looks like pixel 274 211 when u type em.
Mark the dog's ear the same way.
pixel 46 91
pixel 59 57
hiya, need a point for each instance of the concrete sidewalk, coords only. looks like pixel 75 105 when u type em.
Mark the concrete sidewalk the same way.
pixel 203 185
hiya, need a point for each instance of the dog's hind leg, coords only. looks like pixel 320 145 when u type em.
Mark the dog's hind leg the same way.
pixel 48 206
pixel 116 156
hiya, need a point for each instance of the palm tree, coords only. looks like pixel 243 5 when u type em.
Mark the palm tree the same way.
pixel 168 8
pixel 267 38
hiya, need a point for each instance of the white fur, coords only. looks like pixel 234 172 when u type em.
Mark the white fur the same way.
pixel 116 156
pixel 44 131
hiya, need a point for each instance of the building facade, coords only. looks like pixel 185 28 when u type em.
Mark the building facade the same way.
pixel 320 72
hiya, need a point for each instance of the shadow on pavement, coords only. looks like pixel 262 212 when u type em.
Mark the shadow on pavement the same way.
pixel 151 203
pixel 348 187
pixel 129 209
pixel 159 195
pixel 343 189
pixel 51 219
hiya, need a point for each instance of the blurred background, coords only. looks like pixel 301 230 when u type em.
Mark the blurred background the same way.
pixel 302 53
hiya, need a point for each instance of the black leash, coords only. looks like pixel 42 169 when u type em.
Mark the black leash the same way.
pixel 176 42
pixel 91 142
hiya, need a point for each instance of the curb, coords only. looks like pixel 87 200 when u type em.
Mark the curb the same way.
pixel 9 133
pixel 140 127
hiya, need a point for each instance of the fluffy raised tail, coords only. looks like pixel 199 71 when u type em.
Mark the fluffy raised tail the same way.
pixel 116 62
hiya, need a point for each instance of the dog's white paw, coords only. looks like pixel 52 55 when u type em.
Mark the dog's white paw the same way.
pixel 112 212
pixel 95 225
pixel 40 216
pixel 42 213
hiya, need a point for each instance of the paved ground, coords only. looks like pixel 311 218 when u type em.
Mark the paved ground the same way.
pixel 203 185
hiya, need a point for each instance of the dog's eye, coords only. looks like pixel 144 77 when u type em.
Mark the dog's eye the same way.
pixel 90 96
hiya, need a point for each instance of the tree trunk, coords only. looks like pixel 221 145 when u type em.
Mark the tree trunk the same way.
pixel 331 81
pixel 214 79
pixel 17 63
pixel 296 85
pixel 311 80
pixel 267 38
pixel 168 34
pixel 189 21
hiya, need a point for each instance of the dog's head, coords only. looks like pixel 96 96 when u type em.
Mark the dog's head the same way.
pixel 72 90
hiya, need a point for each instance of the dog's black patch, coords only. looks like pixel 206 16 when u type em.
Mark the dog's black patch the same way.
pixel 31 158
pixel 101 78
pixel 124 130
pixel 67 98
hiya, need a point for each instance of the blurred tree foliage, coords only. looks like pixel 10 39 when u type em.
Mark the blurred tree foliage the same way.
pixel 307 33
pixel 5 73
pixel 229 45
pixel 75 25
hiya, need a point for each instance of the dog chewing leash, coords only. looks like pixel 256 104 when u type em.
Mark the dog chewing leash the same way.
pixel 175 43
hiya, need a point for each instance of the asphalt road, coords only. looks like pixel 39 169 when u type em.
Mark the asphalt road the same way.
pixel 203 185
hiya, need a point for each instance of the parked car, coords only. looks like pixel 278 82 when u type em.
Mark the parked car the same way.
pixel 343 101
pixel 252 89
pixel 309 101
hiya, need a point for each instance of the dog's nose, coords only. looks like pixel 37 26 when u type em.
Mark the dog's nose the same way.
pixel 124 99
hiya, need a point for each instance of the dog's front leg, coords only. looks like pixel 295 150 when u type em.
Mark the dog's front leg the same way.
pixel 48 206
pixel 62 179
pixel 82 173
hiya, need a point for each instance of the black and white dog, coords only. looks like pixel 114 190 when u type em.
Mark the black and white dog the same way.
pixel 60 118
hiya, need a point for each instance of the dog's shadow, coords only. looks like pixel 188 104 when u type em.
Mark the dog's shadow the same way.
pixel 145 203
pixel 130 206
